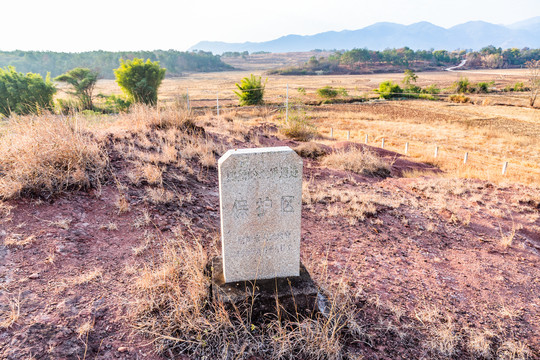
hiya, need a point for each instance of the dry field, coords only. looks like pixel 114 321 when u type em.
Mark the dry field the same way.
pixel 107 224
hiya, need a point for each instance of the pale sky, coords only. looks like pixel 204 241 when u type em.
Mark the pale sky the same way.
pixel 74 25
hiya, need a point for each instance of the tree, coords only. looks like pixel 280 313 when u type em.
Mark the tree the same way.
pixel 83 81
pixel 410 77
pixel 251 91
pixel 24 93
pixel 534 79
pixel 140 80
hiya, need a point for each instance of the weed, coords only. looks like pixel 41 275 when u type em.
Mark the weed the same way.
pixel 358 160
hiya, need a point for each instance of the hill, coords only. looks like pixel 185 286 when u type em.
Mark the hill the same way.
pixel 379 36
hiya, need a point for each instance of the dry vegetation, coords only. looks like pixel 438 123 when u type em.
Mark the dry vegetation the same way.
pixel 428 265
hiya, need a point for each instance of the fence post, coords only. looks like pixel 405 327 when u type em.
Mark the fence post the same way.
pixel 382 143
pixel 348 134
pixel 505 165
pixel 366 139
pixel 466 158
pixel 287 105
pixel 407 148
pixel 217 103
pixel 436 151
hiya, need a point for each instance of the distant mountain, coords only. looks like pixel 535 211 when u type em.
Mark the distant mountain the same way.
pixel 423 35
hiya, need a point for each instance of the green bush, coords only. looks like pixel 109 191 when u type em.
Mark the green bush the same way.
pixel 251 91
pixel 462 85
pixel 431 89
pixel 24 93
pixel 389 89
pixel 327 92
pixel 83 81
pixel 114 104
pixel 140 80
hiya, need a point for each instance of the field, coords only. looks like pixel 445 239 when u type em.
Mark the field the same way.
pixel 107 223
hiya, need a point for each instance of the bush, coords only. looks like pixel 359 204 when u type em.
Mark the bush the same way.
pixel 481 87
pixel 327 92
pixel 431 89
pixel 251 91
pixel 114 104
pixel 298 127
pixel 389 89
pixel 140 80
pixel 462 85
pixel 23 94
pixel 459 98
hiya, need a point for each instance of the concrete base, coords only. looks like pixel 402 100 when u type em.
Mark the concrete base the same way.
pixel 295 295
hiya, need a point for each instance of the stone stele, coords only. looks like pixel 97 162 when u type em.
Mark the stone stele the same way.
pixel 260 195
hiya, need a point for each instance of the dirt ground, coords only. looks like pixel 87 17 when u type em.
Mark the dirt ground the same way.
pixel 442 267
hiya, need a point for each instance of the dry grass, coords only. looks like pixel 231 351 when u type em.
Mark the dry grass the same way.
pixel 94 275
pixel 172 308
pixel 47 154
pixel 354 204
pixel 358 160
pixel 10 312
pixel 16 240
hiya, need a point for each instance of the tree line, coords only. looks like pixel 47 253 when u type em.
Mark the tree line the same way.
pixel 103 62
pixel 364 61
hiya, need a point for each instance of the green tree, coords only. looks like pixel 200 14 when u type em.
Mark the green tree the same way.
pixel 410 77
pixel 140 80
pixel 251 91
pixel 83 82
pixel 24 93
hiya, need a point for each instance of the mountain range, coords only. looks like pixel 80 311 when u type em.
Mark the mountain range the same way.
pixel 379 36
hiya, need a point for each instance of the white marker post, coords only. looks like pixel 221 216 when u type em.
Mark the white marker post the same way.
pixel 407 148
pixel 332 133
pixel 366 139
pixel 466 158
pixel 505 165
pixel 382 143
pixel 348 134
pixel 436 151
pixel 287 105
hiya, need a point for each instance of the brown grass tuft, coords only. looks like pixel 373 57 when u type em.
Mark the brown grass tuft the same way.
pixel 47 154
pixel 360 161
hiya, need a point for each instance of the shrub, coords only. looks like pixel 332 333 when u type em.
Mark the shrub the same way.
pixel 519 86
pixel 459 98
pixel 327 92
pixel 251 91
pixel 140 80
pixel 389 89
pixel 23 94
pixel 431 89
pixel 427 97
pixel 462 85
pixel 298 127
pixel 114 104
pixel 83 81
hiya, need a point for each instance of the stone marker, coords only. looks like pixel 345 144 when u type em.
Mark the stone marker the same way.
pixel 260 195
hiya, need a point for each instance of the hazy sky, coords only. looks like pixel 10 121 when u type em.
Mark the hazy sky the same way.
pixel 75 25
